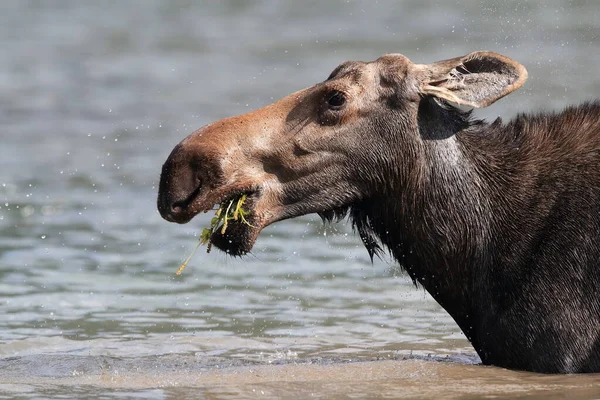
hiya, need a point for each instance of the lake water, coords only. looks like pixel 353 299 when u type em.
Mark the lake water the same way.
pixel 94 95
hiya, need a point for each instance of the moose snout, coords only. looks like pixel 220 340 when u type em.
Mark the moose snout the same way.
pixel 181 181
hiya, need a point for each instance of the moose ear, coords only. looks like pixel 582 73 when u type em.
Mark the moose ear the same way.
pixel 477 79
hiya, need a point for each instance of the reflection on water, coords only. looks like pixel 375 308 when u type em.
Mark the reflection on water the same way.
pixel 93 96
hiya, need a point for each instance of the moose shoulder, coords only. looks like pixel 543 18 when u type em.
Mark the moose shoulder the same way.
pixel 500 223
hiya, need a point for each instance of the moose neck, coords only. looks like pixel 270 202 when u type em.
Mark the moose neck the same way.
pixel 439 224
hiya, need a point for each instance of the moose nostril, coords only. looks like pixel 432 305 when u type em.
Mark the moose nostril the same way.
pixel 176 208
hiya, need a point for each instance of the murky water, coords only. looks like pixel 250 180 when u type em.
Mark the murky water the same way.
pixel 93 96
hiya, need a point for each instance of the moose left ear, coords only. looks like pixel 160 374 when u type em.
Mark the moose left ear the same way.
pixel 477 79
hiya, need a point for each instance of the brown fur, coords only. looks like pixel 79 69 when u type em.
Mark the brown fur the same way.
pixel 499 223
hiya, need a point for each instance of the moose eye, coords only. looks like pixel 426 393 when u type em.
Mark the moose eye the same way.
pixel 336 100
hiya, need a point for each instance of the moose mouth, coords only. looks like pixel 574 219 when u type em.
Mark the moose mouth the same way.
pixel 236 224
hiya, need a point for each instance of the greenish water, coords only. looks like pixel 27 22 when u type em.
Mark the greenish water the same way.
pixel 94 95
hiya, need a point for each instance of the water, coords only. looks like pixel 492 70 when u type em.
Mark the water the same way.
pixel 93 96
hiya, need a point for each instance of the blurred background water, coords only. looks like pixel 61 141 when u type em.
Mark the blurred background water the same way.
pixel 94 95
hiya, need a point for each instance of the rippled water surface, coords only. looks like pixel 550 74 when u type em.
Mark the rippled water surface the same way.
pixel 94 95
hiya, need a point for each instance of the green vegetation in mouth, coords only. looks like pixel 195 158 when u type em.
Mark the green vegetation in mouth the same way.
pixel 227 211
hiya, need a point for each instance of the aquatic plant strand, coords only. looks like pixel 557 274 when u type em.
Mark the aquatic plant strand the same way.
pixel 219 222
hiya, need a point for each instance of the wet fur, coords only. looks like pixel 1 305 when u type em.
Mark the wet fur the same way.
pixel 502 227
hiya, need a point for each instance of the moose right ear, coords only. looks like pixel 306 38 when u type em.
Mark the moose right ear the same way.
pixel 477 79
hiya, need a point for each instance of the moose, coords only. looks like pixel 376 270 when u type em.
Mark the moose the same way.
pixel 499 222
